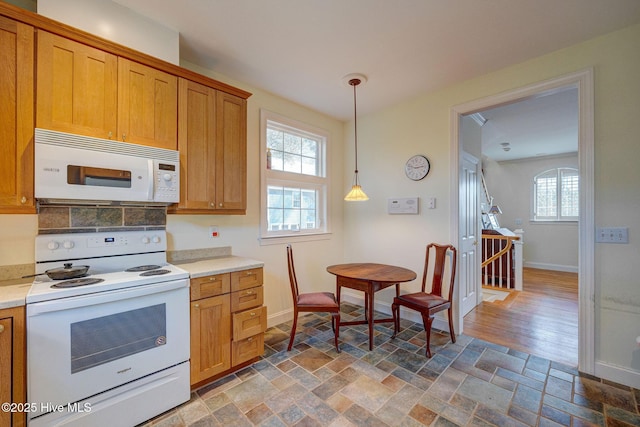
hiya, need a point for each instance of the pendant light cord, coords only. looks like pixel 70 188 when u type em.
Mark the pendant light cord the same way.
pixel 354 83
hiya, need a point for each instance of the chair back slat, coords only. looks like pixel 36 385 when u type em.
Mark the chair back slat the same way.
pixel 292 275
pixel 439 258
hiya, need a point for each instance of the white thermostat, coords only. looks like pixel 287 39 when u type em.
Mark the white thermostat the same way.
pixel 407 206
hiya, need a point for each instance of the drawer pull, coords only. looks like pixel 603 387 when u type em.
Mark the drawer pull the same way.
pixel 248 292
pixel 211 279
pixel 250 339
pixel 196 305
pixel 1 328
pixel 249 273
pixel 252 314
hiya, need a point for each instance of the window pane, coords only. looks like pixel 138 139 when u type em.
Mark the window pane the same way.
pixel 309 166
pixel 309 148
pixel 292 144
pixel 292 163
pixel 546 197
pixel 274 139
pixel 274 219
pixel 570 200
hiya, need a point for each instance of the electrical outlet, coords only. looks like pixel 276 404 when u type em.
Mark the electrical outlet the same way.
pixel 612 235
pixel 213 232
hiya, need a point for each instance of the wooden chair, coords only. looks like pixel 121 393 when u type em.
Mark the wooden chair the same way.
pixel 430 303
pixel 311 302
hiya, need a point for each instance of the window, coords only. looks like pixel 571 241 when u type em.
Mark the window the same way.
pixel 556 195
pixel 294 180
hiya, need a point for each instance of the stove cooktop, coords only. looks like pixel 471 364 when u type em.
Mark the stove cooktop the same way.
pixel 116 260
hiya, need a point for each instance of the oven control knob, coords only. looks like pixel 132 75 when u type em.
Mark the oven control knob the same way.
pixel 68 244
pixel 53 245
pixel 145 240
pixel 155 239
pixel 167 177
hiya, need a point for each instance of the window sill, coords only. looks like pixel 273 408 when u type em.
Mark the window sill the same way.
pixel 293 238
pixel 552 222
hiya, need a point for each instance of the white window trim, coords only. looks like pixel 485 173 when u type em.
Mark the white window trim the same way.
pixel 269 238
pixel 534 219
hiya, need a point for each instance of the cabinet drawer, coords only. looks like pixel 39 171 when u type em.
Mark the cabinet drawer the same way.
pixel 209 286
pixel 248 298
pixel 249 322
pixel 247 349
pixel 246 279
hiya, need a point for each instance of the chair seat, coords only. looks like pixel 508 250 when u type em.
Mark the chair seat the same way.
pixel 318 299
pixel 423 299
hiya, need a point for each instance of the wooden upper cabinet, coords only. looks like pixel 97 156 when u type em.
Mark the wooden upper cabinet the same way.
pixel 196 143
pixel 213 150
pixel 16 116
pixel 76 87
pixel 87 91
pixel 231 153
pixel 147 105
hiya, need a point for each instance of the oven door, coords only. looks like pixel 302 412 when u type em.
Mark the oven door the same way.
pixel 80 346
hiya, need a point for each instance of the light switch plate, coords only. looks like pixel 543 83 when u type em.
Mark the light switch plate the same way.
pixel 612 235
pixel 407 205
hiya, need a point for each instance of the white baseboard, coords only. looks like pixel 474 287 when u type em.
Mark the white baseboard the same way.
pixel 554 267
pixel 281 317
pixel 618 374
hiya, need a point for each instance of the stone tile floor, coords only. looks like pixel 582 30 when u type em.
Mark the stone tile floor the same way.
pixel 469 383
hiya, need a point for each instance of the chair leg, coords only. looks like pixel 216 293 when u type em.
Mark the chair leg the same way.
pixel 335 319
pixel 293 329
pixel 427 321
pixel 395 311
pixel 451 331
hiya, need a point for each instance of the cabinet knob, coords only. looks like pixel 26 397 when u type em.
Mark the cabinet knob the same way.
pixel 1 328
pixel 250 339
pixel 23 200
pixel 220 205
pixel 252 314
pixel 110 135
pixel 213 205
pixel 196 305
pixel 124 136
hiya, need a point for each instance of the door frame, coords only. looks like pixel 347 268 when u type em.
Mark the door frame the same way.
pixel 583 81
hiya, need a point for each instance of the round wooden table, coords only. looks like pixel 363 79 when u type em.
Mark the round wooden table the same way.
pixel 369 278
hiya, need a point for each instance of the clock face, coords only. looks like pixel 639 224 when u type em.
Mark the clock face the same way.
pixel 417 167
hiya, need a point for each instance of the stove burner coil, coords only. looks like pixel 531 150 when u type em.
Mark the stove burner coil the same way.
pixel 142 268
pixel 77 282
pixel 155 272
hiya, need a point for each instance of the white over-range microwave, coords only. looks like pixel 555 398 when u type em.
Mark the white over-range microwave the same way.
pixel 80 169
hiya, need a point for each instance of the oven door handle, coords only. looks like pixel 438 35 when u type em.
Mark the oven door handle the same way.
pixel 38 308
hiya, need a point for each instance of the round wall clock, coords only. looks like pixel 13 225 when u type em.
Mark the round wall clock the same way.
pixel 417 167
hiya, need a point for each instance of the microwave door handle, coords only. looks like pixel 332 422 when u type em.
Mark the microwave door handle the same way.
pixel 150 179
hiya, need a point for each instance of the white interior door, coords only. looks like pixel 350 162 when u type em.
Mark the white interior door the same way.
pixel 469 240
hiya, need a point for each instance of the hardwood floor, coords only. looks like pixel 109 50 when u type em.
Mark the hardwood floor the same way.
pixel 542 319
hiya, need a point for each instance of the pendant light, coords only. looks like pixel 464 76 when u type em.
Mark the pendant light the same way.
pixel 356 194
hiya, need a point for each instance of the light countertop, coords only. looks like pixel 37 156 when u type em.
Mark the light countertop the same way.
pixel 14 292
pixel 225 264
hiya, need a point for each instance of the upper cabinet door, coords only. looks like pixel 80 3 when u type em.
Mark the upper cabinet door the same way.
pixel 231 153
pixel 147 105
pixel 196 142
pixel 76 87
pixel 16 117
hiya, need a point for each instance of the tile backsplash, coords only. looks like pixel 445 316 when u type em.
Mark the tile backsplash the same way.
pixel 86 219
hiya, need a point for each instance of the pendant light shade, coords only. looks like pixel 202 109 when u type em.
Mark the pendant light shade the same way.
pixel 356 194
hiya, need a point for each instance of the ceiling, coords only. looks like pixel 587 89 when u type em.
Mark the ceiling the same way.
pixel 545 125
pixel 302 49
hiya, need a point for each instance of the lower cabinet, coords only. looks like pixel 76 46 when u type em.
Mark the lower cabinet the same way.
pixel 12 364
pixel 228 322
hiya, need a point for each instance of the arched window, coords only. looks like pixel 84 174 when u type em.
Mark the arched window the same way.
pixel 556 195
